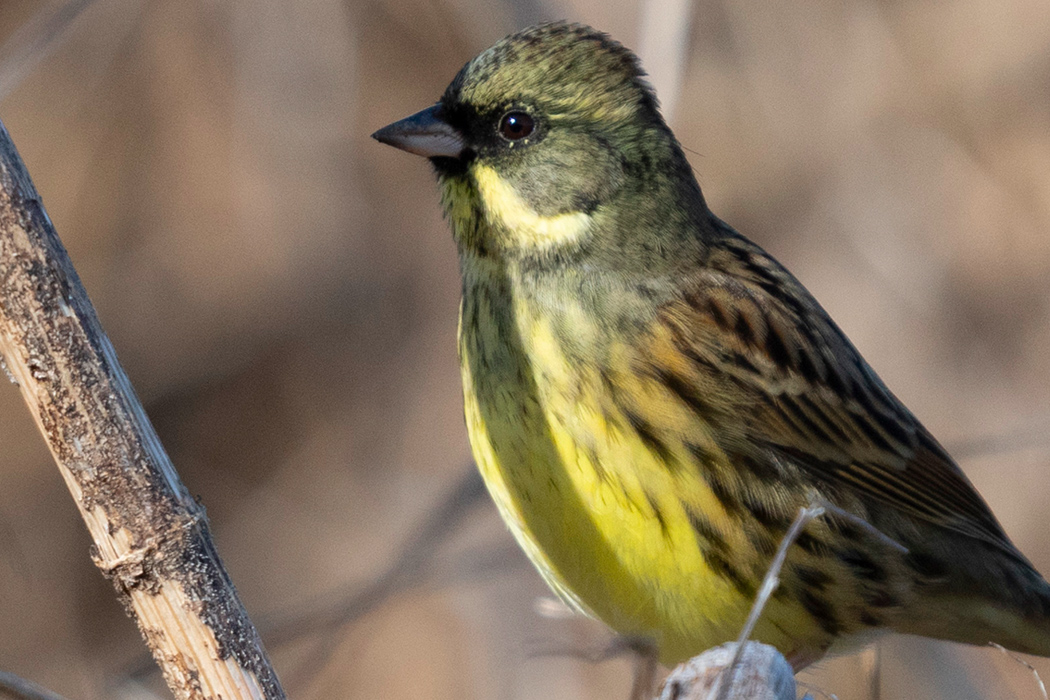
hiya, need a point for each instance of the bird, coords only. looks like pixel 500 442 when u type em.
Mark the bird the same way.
pixel 651 397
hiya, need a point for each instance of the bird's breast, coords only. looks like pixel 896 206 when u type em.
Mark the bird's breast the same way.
pixel 554 410
pixel 521 391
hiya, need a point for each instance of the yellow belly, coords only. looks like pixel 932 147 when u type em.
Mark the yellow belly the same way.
pixel 603 515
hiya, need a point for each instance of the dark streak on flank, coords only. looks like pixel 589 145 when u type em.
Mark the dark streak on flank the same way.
pixel 721 566
pixel 820 608
pixel 648 435
pixel 596 464
pixel 607 381
pixel 764 544
pixel 812 578
pixel 862 565
pixel 812 545
pixel 686 392
pixel 764 470
pixel 704 455
pixel 766 513
pixel 879 598
pixel 726 496
pixel 715 551
pixel 844 528
pixel 708 537
pixel 658 514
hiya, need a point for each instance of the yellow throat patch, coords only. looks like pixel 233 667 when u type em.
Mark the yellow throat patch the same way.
pixel 518 223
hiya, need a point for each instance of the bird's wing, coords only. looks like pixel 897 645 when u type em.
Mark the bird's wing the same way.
pixel 809 397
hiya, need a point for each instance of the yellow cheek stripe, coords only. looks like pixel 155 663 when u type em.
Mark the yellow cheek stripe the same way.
pixel 524 227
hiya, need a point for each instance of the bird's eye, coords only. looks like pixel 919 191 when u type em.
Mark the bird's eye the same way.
pixel 515 126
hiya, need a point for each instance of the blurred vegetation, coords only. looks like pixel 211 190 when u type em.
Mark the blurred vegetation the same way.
pixel 283 293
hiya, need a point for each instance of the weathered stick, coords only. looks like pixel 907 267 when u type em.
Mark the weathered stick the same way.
pixel 151 537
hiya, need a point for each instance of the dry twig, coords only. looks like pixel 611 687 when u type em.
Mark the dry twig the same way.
pixel 407 569
pixel 150 537
pixel 23 689
pixel 769 584
pixel 747 669
pixel 1024 664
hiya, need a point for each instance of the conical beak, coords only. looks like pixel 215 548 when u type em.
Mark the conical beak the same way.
pixel 425 134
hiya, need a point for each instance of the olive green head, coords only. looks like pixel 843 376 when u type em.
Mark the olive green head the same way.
pixel 551 142
pixel 558 72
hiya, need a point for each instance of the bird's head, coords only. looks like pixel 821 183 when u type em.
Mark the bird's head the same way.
pixel 546 143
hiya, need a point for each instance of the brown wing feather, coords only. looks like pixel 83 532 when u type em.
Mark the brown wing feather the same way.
pixel 811 398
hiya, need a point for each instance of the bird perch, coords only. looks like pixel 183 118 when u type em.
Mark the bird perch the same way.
pixel 759 672
pixel 151 538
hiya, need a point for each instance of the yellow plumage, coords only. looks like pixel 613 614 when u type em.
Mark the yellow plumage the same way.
pixel 600 515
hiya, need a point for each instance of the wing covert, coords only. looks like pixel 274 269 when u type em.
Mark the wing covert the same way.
pixel 809 397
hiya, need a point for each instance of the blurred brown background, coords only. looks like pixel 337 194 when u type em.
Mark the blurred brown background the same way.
pixel 283 293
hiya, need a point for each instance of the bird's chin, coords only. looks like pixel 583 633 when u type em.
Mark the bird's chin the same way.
pixel 447 165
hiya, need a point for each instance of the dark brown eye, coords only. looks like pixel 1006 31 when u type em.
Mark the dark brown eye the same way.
pixel 516 125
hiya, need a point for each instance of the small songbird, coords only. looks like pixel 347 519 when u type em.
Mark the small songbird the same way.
pixel 651 397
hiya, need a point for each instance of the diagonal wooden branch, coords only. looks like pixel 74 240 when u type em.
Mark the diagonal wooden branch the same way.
pixel 151 538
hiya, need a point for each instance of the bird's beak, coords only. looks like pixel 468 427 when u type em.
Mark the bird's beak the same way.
pixel 425 134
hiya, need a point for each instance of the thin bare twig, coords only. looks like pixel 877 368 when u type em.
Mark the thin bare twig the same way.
pixel 1017 659
pixel 24 689
pixel 769 584
pixel 875 532
pixel 346 606
pixel 816 509
pixel 407 571
pixel 33 41
pixel 332 613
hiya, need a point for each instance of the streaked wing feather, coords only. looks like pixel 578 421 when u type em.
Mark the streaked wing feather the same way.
pixel 811 398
